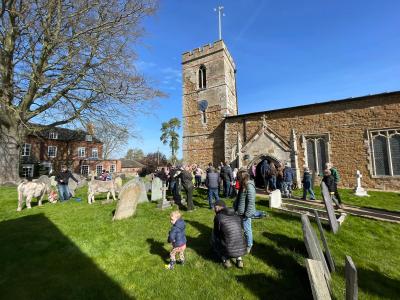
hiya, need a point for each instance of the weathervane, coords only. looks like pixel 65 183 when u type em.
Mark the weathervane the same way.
pixel 220 8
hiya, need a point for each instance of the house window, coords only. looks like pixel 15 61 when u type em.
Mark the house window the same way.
pixel 27 171
pixel 113 168
pixel 317 157
pixel 26 150
pixel 386 152
pixel 52 151
pixel 202 77
pixel 85 170
pixel 99 170
pixel 81 152
pixel 53 135
pixel 95 153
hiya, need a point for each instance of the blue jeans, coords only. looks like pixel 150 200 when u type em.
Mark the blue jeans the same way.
pixel 212 193
pixel 227 189
pixel 305 190
pixel 248 231
pixel 287 188
pixel 272 183
pixel 63 190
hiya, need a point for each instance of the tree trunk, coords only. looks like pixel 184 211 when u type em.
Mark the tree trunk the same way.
pixel 10 140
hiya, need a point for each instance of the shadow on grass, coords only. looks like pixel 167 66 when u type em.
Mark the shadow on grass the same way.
pixel 286 242
pixel 292 281
pixel 201 244
pixel 39 262
pixel 263 202
pixel 158 249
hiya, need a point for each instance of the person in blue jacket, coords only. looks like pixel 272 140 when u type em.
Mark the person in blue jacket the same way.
pixel 177 238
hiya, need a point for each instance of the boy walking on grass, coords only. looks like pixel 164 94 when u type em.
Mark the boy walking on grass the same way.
pixel 177 238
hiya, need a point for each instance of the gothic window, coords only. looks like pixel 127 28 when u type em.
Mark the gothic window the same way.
pixel 316 153
pixel 386 152
pixel 202 77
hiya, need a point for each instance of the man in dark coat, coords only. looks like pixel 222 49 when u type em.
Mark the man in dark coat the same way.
pixel 265 170
pixel 186 178
pixel 329 181
pixel 212 183
pixel 227 177
pixel 62 179
pixel 228 239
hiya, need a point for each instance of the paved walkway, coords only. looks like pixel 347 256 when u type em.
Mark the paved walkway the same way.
pixel 376 214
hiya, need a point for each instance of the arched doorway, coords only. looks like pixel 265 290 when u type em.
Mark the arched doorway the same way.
pixel 259 181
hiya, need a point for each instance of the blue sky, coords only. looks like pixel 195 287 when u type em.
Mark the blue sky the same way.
pixel 287 53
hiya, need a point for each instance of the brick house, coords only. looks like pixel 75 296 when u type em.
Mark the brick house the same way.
pixel 46 151
pixel 361 133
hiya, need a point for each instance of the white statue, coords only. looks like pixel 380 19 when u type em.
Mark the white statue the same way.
pixel 359 191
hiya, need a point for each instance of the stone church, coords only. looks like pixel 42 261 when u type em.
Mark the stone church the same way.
pixel 361 133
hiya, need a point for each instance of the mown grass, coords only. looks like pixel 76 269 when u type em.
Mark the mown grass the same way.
pixel 74 251
pixel 388 201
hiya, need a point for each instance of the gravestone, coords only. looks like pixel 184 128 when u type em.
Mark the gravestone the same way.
pixel 319 286
pixel 164 203
pixel 275 199
pixel 329 208
pixel 360 191
pixel 143 193
pixel 313 246
pixel 128 200
pixel 118 184
pixel 351 280
pixel 156 186
pixel 147 185
pixel 325 243
pixel 72 185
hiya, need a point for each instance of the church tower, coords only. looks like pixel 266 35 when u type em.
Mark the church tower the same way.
pixel 209 95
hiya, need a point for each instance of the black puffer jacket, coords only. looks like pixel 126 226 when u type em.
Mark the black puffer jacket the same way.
pixel 228 231
pixel 330 182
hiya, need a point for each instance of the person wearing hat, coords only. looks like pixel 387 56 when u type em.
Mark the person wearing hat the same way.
pixel 307 184
pixel 288 176
pixel 228 240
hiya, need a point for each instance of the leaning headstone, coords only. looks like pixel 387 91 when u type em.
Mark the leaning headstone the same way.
pixel 329 208
pixel 128 200
pixel 351 280
pixel 143 193
pixel 164 203
pixel 325 243
pixel 118 183
pixel 313 246
pixel 359 191
pixel 156 186
pixel 275 199
pixel 319 287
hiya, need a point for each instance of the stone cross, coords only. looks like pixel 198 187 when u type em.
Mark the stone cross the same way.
pixel 164 203
pixel 359 191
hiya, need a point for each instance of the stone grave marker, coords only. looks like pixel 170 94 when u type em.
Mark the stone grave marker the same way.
pixel 319 287
pixel 72 185
pixel 128 200
pixel 351 280
pixel 275 199
pixel 143 193
pixel 329 208
pixel 360 191
pixel 164 203
pixel 147 185
pixel 156 186
pixel 313 246
pixel 325 243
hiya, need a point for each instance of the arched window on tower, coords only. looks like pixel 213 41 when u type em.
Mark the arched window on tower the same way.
pixel 202 77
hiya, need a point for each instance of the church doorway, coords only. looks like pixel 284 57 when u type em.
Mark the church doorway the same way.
pixel 259 180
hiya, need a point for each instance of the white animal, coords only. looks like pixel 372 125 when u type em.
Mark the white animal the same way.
pixel 28 190
pixel 100 186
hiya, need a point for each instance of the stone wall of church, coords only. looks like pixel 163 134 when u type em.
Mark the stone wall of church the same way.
pixel 346 122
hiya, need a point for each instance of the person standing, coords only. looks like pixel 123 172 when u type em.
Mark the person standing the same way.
pixel 227 239
pixel 288 176
pixel 212 183
pixel 245 206
pixel 307 184
pixel 272 176
pixel 62 179
pixel 329 181
pixel 186 178
pixel 336 178
pixel 198 172
pixel 265 170
pixel 227 177
pixel 177 238
pixel 253 171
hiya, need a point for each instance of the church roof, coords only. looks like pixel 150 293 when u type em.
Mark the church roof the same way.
pixel 351 99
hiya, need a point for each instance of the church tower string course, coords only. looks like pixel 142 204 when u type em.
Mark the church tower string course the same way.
pixel 209 95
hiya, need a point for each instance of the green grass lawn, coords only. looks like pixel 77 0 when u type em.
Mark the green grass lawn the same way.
pixel 388 201
pixel 74 251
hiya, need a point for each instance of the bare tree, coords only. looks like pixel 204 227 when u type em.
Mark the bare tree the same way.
pixel 113 137
pixel 64 61
pixel 135 154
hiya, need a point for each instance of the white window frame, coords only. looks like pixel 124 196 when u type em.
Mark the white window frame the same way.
pixel 88 170
pixel 26 151
pixel 97 153
pixel 80 150
pixel 53 135
pixel 113 168
pixel 30 173
pixel 97 170
pixel 88 138
pixel 387 133
pixel 48 151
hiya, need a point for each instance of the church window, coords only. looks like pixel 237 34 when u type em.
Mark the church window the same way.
pixel 386 152
pixel 202 77
pixel 316 153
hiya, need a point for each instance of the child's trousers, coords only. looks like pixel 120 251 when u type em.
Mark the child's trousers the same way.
pixel 180 250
